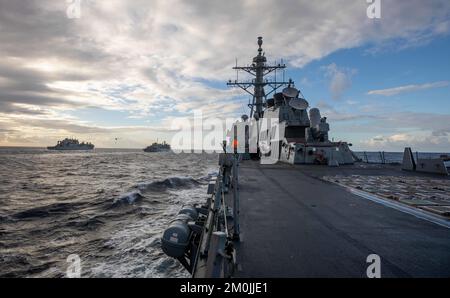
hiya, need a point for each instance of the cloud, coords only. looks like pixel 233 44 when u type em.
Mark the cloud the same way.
pixel 409 88
pixel 165 58
pixel 397 142
pixel 394 131
pixel 340 79
pixel 403 122
pixel 335 115
pixel 441 132
pixel 39 131
pixel 418 121
pixel 387 130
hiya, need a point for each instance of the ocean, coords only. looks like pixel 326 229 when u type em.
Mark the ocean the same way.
pixel 109 207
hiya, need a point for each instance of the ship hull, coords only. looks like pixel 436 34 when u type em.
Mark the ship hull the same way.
pixel 156 150
pixel 80 148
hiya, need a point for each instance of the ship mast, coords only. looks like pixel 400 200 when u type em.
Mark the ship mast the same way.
pixel 259 69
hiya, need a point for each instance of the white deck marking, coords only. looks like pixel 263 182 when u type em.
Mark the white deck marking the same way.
pixel 419 213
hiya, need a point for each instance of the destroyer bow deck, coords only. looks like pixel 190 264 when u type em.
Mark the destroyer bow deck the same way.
pixel 302 226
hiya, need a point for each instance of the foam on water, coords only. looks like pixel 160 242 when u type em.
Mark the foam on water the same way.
pixel 129 198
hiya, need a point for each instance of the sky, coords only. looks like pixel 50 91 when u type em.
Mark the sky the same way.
pixel 122 72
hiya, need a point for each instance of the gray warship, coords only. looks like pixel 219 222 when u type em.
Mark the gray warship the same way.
pixel 288 202
pixel 71 144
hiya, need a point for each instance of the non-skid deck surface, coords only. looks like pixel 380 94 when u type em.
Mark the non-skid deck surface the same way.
pixel 296 225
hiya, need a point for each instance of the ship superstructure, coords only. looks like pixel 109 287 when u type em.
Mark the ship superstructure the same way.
pixel 280 127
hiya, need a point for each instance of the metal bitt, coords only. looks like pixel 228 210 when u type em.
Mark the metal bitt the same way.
pixel 259 69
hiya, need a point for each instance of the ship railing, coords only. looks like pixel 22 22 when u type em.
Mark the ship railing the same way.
pixel 215 257
pixel 381 157
pixel 378 157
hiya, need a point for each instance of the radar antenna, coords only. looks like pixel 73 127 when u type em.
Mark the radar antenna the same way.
pixel 259 69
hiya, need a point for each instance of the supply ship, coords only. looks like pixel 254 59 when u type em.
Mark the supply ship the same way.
pixel 288 202
pixel 71 144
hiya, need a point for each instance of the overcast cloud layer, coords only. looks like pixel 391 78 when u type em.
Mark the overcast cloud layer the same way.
pixel 163 58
